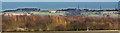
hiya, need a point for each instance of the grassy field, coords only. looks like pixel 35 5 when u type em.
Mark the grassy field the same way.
pixel 68 32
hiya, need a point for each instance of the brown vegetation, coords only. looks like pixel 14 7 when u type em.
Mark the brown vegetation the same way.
pixel 64 23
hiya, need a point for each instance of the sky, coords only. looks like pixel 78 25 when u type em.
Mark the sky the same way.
pixel 60 0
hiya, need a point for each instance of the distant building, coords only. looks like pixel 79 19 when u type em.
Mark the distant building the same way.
pixel 69 9
pixel 15 14
pixel 52 11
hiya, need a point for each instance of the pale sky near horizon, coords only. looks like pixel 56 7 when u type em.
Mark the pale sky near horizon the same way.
pixel 60 0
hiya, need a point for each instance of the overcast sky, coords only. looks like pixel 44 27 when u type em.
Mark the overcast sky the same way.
pixel 60 0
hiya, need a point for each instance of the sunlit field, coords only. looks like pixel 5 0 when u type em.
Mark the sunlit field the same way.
pixel 58 23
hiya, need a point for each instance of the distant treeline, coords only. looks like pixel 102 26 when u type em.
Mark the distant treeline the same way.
pixel 58 23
